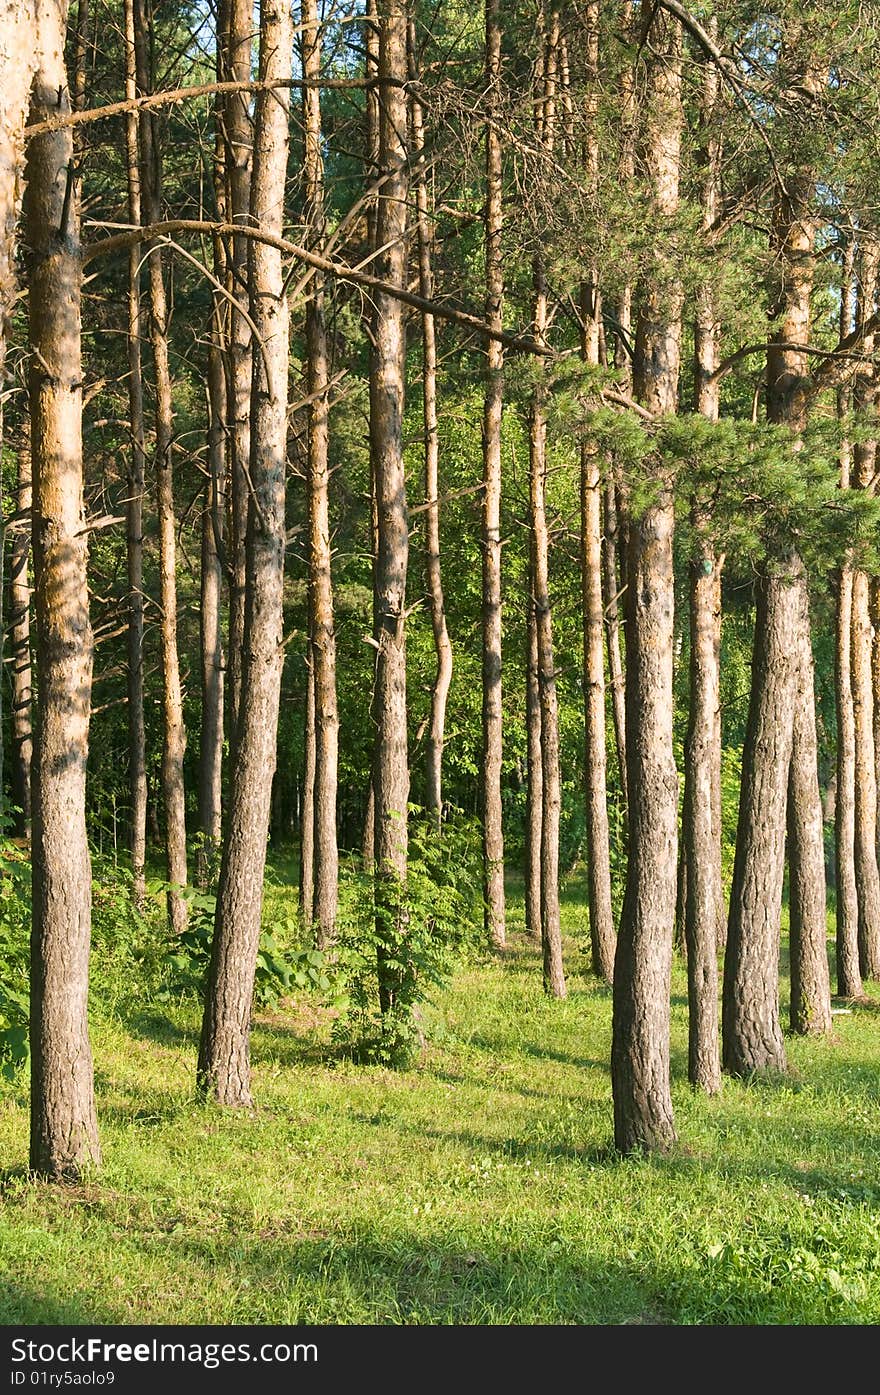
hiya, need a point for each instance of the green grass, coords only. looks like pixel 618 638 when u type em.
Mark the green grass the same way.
pixel 478 1188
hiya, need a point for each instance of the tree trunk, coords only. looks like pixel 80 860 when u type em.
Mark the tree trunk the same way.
pixel 433 579
pixel 751 1032
pixel 211 634
pixel 321 625
pixel 237 30
pixel 134 505
pixel 810 1004
pixel 174 730
pixel 611 595
pixel 703 909
pixel 64 1132
pixel 849 979
pixel 20 636
pixel 387 388
pixel 534 797
pixel 493 831
pixel 642 969
pixel 602 934
pixel 307 827
pixel 224 1052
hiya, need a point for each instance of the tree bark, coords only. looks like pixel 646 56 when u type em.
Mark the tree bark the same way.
pixel 321 623
pixel 534 798
pixel 224 1052
pixel 64 1132
pixel 493 831
pixel 703 909
pixel 849 979
pixel 174 730
pixel 20 637
pixel 210 618
pixel 810 1002
pixel 611 596
pixel 433 577
pixel 307 828
pixel 134 506
pixel 387 388
pixel 602 933
pixel 643 1117
pixel 237 30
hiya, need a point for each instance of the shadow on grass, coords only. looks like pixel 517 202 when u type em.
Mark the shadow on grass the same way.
pixel 38 1305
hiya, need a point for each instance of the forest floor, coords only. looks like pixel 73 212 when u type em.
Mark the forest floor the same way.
pixel 479 1187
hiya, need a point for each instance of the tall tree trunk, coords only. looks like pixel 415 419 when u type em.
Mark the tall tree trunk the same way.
pixel 534 796
pixel 849 979
pixel 703 910
pixel 20 638
pixel 64 1131
pixel 371 209
pixel 224 1052
pixel 210 618
pixel 752 1036
pixel 387 388
pixel 237 30
pixel 321 626
pixel 134 505
pixel 493 831
pixel 174 730
pixel 810 1003
pixel 642 968
pixel 602 935
pixel 434 581
pixel 551 797
pixel 863 639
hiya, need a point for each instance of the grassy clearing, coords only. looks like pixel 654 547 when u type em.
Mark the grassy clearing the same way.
pixel 478 1188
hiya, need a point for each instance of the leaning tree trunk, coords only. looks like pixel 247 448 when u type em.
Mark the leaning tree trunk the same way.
pixel 643 963
pixel 134 504
pixel 602 934
pixel 434 581
pixel 20 644
pixel 493 833
pixel 224 1052
pixel 703 894
pixel 64 1131
pixel 387 388
pixel 174 729
pixel 810 1003
pixel 322 634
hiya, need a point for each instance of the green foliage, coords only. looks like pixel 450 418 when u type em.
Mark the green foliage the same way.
pixel 409 939
pixel 15 912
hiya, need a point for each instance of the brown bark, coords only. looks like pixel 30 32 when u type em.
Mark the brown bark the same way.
pixel 174 731
pixel 307 826
pixel 234 63
pixel 20 644
pixel 387 388
pixel 611 598
pixel 849 979
pixel 810 1003
pixel 643 1117
pixel 64 1133
pixel 134 506
pixel 533 776
pixel 321 623
pixel 433 578
pixel 493 831
pixel 703 909
pixel 602 933
pixel 751 1032
pixel 864 464
pixel 224 1052
pixel 210 618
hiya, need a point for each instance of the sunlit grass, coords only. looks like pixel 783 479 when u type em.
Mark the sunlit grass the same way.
pixel 479 1187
